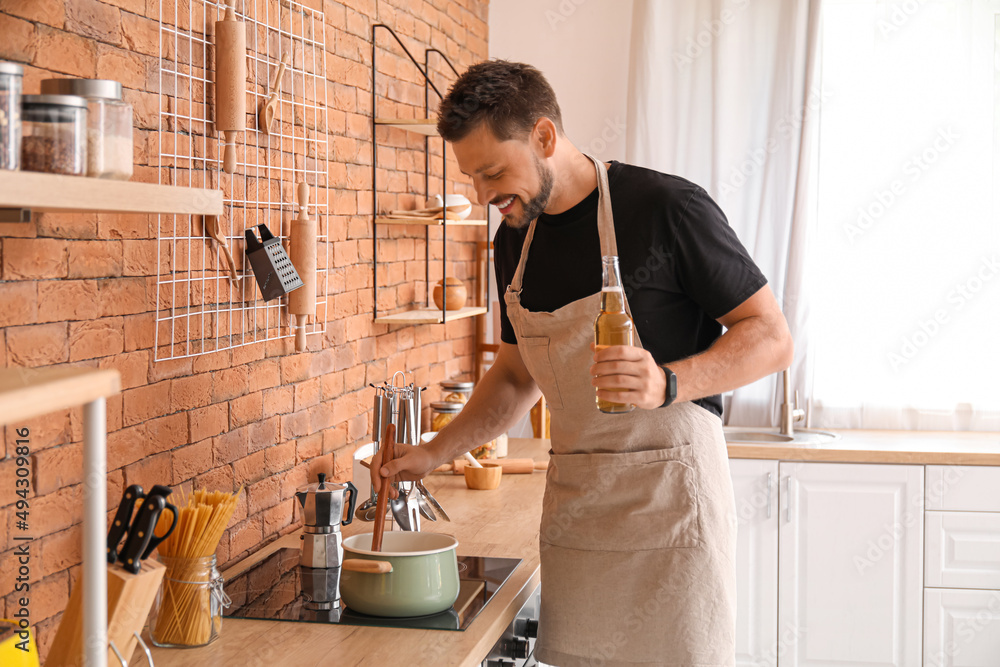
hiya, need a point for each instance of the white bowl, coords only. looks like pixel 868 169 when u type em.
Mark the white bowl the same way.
pixel 460 202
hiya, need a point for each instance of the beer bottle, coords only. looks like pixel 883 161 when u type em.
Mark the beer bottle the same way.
pixel 613 325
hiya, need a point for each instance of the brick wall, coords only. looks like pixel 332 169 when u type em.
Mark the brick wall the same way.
pixel 79 290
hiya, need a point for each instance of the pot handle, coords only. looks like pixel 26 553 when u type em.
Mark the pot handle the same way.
pixel 366 566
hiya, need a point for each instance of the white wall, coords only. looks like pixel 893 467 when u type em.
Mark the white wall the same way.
pixel 582 47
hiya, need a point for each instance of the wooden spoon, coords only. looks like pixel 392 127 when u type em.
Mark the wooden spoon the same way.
pixel 215 233
pixel 266 115
pixel 388 441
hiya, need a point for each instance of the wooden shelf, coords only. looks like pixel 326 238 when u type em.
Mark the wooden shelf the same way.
pixel 429 315
pixel 54 192
pixel 425 126
pixel 429 222
pixel 31 392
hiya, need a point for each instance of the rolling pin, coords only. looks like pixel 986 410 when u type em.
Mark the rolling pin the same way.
pixel 302 252
pixel 510 466
pixel 230 82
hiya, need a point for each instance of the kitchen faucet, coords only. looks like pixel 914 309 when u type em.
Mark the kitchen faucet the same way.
pixel 790 412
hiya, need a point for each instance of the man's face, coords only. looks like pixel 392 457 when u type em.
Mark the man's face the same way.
pixel 510 174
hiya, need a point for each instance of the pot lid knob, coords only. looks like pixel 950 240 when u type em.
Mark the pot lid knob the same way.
pixel 322 480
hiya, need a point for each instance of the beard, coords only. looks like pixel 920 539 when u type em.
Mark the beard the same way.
pixel 536 205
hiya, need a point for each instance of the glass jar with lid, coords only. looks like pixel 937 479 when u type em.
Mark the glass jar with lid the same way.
pixel 11 75
pixel 109 124
pixel 54 129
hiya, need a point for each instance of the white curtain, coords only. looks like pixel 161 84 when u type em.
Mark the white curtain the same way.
pixel 723 93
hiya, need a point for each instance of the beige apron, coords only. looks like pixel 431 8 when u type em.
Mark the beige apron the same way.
pixel 638 527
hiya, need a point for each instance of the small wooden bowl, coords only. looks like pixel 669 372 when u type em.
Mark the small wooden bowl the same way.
pixel 486 478
pixel 457 294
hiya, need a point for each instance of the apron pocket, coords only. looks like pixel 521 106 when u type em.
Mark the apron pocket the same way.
pixel 535 354
pixel 631 501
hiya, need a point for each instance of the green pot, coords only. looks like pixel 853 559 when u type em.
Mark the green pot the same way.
pixel 424 577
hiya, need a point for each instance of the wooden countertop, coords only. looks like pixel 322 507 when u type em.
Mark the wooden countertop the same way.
pixel 503 522
pixel 856 446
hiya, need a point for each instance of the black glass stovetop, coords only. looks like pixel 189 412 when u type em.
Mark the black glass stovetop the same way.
pixel 279 589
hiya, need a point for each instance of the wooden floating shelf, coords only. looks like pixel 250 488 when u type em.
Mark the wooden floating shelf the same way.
pixel 58 193
pixel 430 222
pixel 430 315
pixel 30 392
pixel 425 126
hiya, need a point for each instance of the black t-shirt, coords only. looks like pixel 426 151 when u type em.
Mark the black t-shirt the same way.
pixel 681 263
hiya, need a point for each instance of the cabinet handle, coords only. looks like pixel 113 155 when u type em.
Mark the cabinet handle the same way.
pixel 768 495
pixel 788 499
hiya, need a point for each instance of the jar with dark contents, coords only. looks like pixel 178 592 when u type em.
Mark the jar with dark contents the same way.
pixel 109 124
pixel 54 134
pixel 11 76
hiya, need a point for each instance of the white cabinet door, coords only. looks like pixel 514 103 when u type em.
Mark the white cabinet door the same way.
pixel 756 485
pixel 961 628
pixel 850 582
pixel 963 550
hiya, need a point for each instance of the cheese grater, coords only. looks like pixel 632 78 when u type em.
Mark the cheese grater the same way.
pixel 274 271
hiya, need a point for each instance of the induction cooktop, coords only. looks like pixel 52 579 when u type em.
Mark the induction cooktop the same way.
pixel 279 589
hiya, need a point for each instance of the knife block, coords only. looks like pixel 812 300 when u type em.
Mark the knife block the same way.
pixel 130 598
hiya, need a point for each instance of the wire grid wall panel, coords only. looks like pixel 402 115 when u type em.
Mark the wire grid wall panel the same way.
pixel 199 310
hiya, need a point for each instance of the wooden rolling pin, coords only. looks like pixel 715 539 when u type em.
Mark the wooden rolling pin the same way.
pixel 302 252
pixel 230 82
pixel 510 466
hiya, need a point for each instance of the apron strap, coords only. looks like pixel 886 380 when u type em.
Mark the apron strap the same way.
pixel 605 226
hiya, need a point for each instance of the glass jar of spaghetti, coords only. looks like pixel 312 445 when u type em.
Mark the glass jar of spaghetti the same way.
pixel 188 607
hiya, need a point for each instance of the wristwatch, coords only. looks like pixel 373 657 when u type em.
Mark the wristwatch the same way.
pixel 671 386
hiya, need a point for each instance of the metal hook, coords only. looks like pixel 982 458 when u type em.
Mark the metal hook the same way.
pixel 123 661
pixel 145 649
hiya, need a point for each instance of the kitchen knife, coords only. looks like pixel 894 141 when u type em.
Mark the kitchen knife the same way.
pixel 120 524
pixel 140 533
pixel 162 491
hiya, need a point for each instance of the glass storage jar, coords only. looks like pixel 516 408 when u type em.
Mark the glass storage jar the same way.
pixel 11 75
pixel 189 605
pixel 442 412
pixel 54 131
pixel 109 124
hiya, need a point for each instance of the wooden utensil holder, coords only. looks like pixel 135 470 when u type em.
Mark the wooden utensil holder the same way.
pixel 130 599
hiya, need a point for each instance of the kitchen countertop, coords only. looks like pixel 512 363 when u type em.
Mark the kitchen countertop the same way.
pixel 856 446
pixel 503 523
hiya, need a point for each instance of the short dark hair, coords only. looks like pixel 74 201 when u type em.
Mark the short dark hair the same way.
pixel 508 97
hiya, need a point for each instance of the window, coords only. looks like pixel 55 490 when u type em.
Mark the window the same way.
pixel 905 259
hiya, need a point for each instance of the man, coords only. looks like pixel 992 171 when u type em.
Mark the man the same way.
pixel 638 522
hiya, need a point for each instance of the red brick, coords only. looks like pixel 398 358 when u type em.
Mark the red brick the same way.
pixel 216 479
pixel 57 511
pixel 249 469
pixel 138 258
pixel 66 53
pixel 126 446
pixel 123 296
pixel 149 471
pixel 67 225
pixel 230 446
pixel 57 467
pixel 94 259
pixel 188 462
pixel 245 409
pixel 20 41
pixel 91 18
pixel 121 65
pixel 278 517
pixel 246 536
pixel 96 338
pixel 50 596
pixel 264 374
pixel 208 421
pixel 230 383
pixel 144 403
pixel 263 434
pixel 164 369
pixel 167 432
pixel 139 331
pixel 30 259
pixel 295 425
pixel 124 225
pixel 307 394
pixel 278 401
pixel 280 457
pixel 49 12
pixel 194 391
pixel 63 550
pixel 309 447
pixel 295 368
pixel 263 494
pixel 142 35
pixel 37 345
pixel 63 300
pixel 133 367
